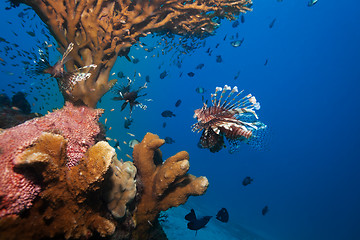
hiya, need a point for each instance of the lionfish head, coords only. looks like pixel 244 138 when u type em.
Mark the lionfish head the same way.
pixel 198 113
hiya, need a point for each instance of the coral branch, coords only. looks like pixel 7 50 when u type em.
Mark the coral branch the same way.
pixel 164 185
pixel 101 29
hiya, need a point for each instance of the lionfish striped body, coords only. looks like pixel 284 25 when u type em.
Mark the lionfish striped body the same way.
pixel 231 117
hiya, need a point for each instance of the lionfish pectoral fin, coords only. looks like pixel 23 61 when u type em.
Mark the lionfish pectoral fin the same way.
pixel 209 139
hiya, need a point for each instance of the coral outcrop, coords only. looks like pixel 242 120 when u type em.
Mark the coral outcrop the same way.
pixel 69 205
pixel 162 184
pixel 19 187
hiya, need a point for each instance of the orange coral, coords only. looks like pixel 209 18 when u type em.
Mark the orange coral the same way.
pixel 100 29
pixel 69 205
pixel 164 184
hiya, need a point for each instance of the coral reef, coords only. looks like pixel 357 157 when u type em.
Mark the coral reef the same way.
pixel 163 184
pixel 69 205
pixel 102 30
pixel 18 187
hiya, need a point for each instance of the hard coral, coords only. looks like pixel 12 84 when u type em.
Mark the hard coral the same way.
pixel 69 205
pixel 120 187
pixel 19 187
pixel 165 184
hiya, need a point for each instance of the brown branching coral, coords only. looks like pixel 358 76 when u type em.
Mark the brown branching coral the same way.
pixel 100 29
pixel 69 206
pixel 164 184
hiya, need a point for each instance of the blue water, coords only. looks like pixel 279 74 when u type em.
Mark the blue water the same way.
pixel 309 94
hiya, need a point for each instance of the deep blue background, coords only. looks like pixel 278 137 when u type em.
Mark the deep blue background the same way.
pixel 309 94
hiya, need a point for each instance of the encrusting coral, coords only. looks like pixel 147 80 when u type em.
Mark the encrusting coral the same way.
pixel 19 187
pixel 164 184
pixel 101 29
pixel 69 206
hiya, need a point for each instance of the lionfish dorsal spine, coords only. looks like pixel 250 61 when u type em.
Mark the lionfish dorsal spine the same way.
pixel 214 99
pixel 66 53
pixel 226 87
pixel 225 102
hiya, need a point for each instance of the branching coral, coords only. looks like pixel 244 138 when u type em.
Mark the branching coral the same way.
pixel 100 29
pixel 164 184
pixel 69 205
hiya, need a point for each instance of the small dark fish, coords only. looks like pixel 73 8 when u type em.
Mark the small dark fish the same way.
pixel 116 145
pixel 219 59
pixel 135 60
pixel 200 90
pixel 168 113
pixel 164 124
pixel 178 102
pixel 190 216
pixel 127 123
pixel 147 78
pixel 200 66
pixel 242 19
pixel 191 74
pixel 223 215
pixel 169 140
pixel 198 223
pixel 237 75
pixel 247 181
pixel 217 45
pixel 265 210
pixel 31 33
pixel 266 62
pixel 272 23
pixel 235 24
pixel 120 74
pixel 163 74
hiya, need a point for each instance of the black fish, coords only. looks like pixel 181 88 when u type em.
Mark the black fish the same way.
pixel 164 124
pixel 191 216
pixel 163 75
pixel 116 145
pixel 127 123
pixel 235 24
pixel 147 78
pixel 168 113
pixel 120 74
pixel 198 223
pixel 272 23
pixel 200 90
pixel 265 210
pixel 247 181
pixel 242 18
pixel 178 102
pixel 191 74
pixel 135 60
pixel 200 66
pixel 266 62
pixel 223 215
pixel 169 140
pixel 219 59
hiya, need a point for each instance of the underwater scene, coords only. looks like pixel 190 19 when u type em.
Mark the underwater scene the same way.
pixel 161 119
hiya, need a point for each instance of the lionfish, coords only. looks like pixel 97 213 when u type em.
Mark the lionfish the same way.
pixel 66 80
pixel 233 118
pixel 130 97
